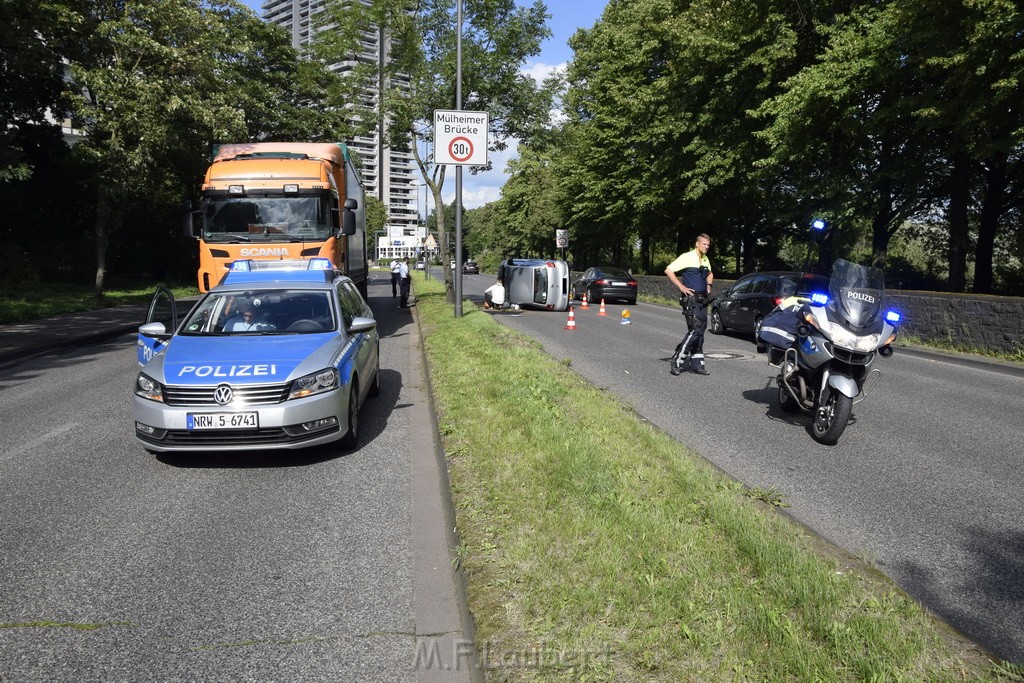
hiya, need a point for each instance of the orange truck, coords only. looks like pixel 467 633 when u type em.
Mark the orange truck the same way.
pixel 280 200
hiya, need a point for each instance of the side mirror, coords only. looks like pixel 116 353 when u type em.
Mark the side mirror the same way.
pixel 348 217
pixel 361 324
pixel 187 219
pixel 154 330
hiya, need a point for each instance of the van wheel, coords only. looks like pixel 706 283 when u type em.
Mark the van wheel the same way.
pixel 351 438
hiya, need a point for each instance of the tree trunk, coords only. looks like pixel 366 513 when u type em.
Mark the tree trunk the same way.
pixel 442 239
pixel 880 226
pixel 104 221
pixel 959 237
pixel 993 207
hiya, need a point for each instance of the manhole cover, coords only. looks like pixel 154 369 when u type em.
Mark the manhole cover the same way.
pixel 727 356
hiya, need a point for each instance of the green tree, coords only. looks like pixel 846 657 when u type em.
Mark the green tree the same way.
pixel 31 79
pixel 155 82
pixel 376 215
pixel 971 57
pixel 421 75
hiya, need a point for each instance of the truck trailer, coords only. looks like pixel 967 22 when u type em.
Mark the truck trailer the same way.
pixel 280 200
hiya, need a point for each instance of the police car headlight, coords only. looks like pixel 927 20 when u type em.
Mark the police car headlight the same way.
pixel 148 388
pixel 316 383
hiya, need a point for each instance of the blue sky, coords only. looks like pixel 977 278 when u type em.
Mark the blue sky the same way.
pixel 566 17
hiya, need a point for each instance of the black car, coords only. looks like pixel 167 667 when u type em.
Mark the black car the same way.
pixel 743 306
pixel 610 284
pixel 470 268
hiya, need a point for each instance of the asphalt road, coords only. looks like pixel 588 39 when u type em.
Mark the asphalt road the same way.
pixel 925 484
pixel 117 565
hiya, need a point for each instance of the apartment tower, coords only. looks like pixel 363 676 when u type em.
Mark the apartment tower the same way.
pixel 388 174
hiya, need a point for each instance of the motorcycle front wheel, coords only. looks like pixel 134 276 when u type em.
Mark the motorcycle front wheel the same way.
pixel 831 419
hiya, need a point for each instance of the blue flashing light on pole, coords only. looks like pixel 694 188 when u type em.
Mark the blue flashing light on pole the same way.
pixel 819 224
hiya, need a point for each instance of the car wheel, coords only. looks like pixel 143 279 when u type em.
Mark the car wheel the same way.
pixel 351 438
pixel 715 324
pixel 758 322
pixel 375 387
pixel 631 302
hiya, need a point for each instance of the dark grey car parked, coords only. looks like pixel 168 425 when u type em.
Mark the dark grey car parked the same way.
pixel 743 306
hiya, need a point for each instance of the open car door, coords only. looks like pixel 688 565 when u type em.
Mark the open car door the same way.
pixel 162 310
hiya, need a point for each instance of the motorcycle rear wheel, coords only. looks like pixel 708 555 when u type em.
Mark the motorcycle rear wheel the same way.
pixel 831 419
pixel 787 403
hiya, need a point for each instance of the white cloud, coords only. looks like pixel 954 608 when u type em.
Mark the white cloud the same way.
pixel 539 71
pixel 484 187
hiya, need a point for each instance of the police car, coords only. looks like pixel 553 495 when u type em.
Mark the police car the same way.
pixel 279 355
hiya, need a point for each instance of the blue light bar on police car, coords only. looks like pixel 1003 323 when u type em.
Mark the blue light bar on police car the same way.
pixel 241 265
pixel 819 298
pixel 320 263
pixel 892 316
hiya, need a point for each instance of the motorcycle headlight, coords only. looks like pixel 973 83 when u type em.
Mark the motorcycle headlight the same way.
pixel 315 383
pixel 842 337
pixel 148 388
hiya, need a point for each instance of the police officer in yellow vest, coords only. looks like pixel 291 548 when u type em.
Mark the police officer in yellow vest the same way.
pixel 695 286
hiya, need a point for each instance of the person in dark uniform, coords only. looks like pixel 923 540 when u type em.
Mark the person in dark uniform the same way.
pixel 692 276
pixel 405 280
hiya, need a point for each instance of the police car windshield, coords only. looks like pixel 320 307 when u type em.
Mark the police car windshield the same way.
pixel 265 219
pixel 262 312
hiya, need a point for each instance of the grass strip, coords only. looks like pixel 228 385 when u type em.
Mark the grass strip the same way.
pixel 47 300
pixel 598 548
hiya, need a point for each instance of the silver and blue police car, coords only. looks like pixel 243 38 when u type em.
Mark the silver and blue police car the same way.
pixel 279 355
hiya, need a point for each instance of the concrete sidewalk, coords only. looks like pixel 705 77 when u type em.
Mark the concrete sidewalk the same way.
pixel 23 340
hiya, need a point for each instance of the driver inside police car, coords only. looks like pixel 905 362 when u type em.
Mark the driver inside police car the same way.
pixel 247 321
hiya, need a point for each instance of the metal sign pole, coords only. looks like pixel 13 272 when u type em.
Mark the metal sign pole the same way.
pixel 457 271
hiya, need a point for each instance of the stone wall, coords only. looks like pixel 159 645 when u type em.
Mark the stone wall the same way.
pixel 970 320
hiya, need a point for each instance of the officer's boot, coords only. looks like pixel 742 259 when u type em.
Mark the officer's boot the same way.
pixel 697 365
pixel 680 364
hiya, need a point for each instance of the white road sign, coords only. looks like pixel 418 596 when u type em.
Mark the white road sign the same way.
pixel 460 137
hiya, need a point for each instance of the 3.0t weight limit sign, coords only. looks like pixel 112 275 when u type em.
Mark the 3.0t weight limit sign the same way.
pixel 460 137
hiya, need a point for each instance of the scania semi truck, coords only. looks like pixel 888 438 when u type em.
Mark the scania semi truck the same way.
pixel 280 200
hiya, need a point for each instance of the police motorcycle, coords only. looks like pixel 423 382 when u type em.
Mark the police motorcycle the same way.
pixel 827 366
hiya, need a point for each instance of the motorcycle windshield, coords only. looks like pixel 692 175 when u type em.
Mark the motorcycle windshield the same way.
pixel 856 292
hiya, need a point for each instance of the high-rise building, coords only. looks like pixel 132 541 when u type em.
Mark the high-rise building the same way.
pixel 389 174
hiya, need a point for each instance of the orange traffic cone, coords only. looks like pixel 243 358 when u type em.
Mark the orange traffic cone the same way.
pixel 602 311
pixel 584 304
pixel 571 324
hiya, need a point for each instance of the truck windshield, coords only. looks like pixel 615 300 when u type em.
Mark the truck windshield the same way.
pixel 261 219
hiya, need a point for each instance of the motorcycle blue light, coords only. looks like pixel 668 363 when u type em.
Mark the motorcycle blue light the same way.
pixel 819 298
pixel 242 265
pixel 892 316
